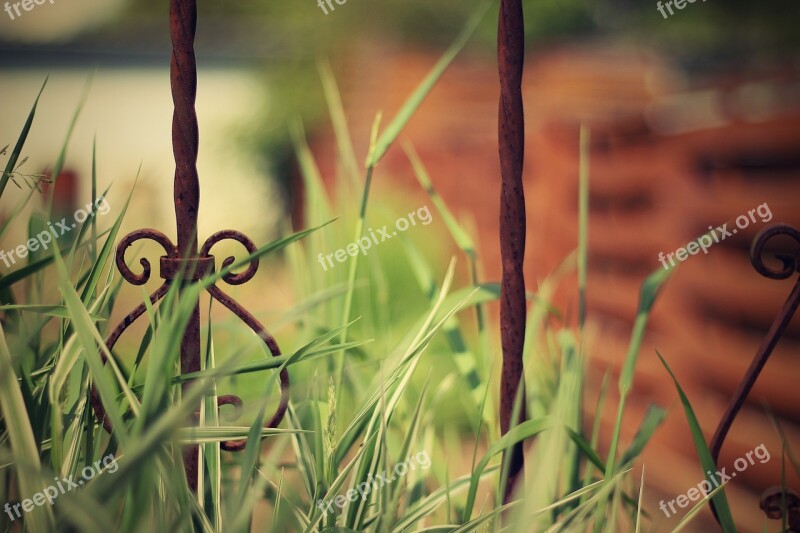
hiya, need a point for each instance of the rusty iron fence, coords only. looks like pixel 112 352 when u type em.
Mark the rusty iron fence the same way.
pixel 183 262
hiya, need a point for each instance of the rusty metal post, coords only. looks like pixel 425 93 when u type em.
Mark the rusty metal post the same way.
pixel 511 139
pixel 182 263
pixel 185 141
pixel 790 266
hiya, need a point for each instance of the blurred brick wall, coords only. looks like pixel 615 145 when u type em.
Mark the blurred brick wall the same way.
pixel 669 156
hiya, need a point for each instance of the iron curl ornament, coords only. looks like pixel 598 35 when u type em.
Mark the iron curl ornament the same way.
pixel 195 268
pixel 183 262
pixel 790 265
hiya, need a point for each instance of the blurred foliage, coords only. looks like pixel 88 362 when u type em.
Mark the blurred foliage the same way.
pixel 746 25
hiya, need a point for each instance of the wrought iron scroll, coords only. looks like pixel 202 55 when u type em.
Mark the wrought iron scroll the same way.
pixel 790 265
pixel 182 262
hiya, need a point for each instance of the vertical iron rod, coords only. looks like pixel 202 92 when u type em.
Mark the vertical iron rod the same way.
pixel 511 138
pixel 185 140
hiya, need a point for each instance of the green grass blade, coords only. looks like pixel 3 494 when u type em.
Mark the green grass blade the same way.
pixel 90 339
pixel 204 435
pixel 12 160
pixel 697 507
pixel 353 268
pixel 20 435
pixel 588 450
pixel 392 131
pixel 436 498
pixel 463 357
pixel 34 267
pixel 341 133
pixel 318 208
pixel 390 515
pixel 520 432
pixel 306 467
pixel 57 311
pixel 706 461
pixel 583 223
pixel 62 156
pixel 639 505
pixel 653 418
pixel 601 402
pixel 647 297
pixel 93 250
pixel 460 236
pixel 17 210
pixel 212 451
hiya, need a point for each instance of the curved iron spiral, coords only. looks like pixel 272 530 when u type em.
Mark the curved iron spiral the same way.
pixel 247 318
pixel 168 272
pixel 135 279
pixel 790 265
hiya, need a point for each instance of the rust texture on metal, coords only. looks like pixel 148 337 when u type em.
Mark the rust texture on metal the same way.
pixel 511 139
pixel 185 141
pixel 182 263
pixel 790 265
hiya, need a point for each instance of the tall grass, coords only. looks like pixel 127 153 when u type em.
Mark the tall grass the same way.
pixel 392 356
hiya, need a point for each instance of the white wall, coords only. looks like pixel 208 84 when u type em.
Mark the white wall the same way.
pixel 130 110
